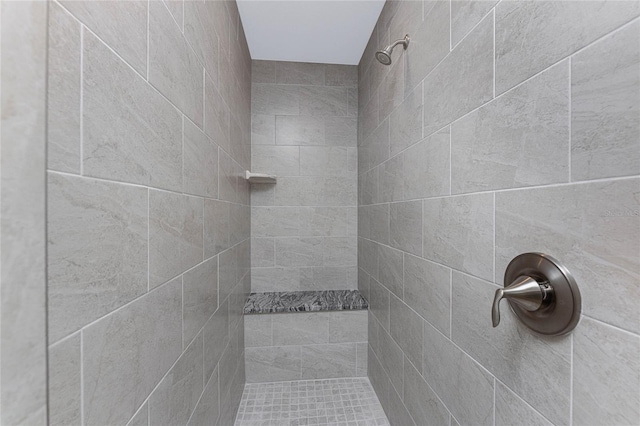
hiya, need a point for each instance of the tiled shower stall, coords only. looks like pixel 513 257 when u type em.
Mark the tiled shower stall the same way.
pixel 402 192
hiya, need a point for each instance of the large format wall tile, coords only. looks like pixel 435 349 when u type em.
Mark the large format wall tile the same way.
pixel 200 163
pixel 97 249
pixel 426 167
pixel 143 340
pixel 530 35
pixel 328 361
pixel 605 375
pixel 605 107
pixel 458 232
pixel 462 81
pixel 174 69
pixel 299 73
pixel 423 404
pixel 510 409
pixel 465 14
pixel 406 327
pixel 200 297
pixel 323 101
pixel 462 384
pixel 595 236
pixel 519 139
pixel 511 352
pixel 272 363
pixel 406 226
pixel 199 20
pixel 122 25
pixel 65 382
pixel 299 130
pixel 63 97
pixel 131 133
pixel 175 234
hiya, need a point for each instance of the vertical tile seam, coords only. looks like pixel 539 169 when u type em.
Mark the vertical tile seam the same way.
pixel 81 99
pixel 571 383
pixel 570 118
pixel 82 408
pixel 148 38
pixel 494 52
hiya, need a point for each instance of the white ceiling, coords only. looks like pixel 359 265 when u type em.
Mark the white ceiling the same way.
pixel 323 31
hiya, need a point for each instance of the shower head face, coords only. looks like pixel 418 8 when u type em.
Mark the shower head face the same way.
pixel 384 56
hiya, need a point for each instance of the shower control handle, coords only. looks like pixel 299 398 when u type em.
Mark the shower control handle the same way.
pixel 525 292
pixel 541 293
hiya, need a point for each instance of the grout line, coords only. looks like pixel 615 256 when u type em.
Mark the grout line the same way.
pixel 82 410
pixel 148 37
pixel 571 384
pixel 494 401
pixel 82 28
pixel 522 400
pixel 570 118
pixel 494 53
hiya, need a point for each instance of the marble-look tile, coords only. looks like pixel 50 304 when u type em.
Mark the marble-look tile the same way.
pixel 462 81
pixel 174 69
pixel 397 412
pixel 511 351
pixel 326 278
pixel 275 99
pixel 143 340
pixel 379 380
pixel 463 385
pixel 511 409
pixel 208 409
pixel 368 257
pixel 340 251
pixel 177 10
pixel 390 269
pixel 200 163
pixel 217 124
pixel 65 382
pixel 145 146
pixel 324 221
pixel 423 404
pixel 216 230
pixel 263 71
pixel 97 256
pixel 362 359
pixel 348 326
pixel 263 129
pixel 323 161
pixel 300 329
pixel 275 221
pixel 406 122
pixel 276 160
pixel 199 19
pixel 227 272
pixel 141 418
pixel 426 170
pixel 328 361
pixel 263 253
pixel 299 130
pixel 390 185
pixel 275 279
pixel 258 330
pixel 427 290
pixel 379 223
pixel 63 97
pixel 272 364
pixel 331 191
pixel 341 131
pixel 200 297
pixel 296 252
pixel 321 101
pixel 379 300
pixel 531 36
pixel 519 139
pixel 406 330
pixel 406 226
pixel 175 235
pixel 593 233
pixel 299 73
pixel 605 107
pixel 458 232
pixel 391 358
pixel 123 26
pixel 176 396
pixel 341 75
pixel 228 175
pixel 216 337
pixel 368 117
pixel 429 45
pixel 23 341
pixel 605 375
pixel 391 90
pixel 465 14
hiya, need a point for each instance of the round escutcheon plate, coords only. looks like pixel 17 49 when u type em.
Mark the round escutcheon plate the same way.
pixel 562 314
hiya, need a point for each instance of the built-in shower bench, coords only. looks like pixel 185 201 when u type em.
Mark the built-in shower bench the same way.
pixel 305 335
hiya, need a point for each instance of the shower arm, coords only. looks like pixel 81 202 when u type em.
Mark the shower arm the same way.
pixel 404 41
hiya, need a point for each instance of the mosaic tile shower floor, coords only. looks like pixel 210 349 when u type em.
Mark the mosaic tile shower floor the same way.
pixel 344 402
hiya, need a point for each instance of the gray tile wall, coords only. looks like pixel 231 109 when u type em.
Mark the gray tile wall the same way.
pixel 148 221
pixel 304 130
pixel 506 127
pixel 23 105
pixel 306 345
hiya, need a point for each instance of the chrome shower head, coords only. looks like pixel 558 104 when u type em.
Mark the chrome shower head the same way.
pixel 384 56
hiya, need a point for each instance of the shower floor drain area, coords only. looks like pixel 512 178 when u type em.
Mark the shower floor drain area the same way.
pixel 344 402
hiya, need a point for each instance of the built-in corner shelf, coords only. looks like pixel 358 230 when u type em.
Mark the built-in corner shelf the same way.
pixel 259 177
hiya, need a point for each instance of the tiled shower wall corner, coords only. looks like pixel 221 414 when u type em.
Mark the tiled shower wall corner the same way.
pixel 148 221
pixel 23 351
pixel 506 127
pixel 304 131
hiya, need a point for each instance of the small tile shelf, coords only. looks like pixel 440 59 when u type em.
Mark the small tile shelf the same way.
pixel 304 301
pixel 259 177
